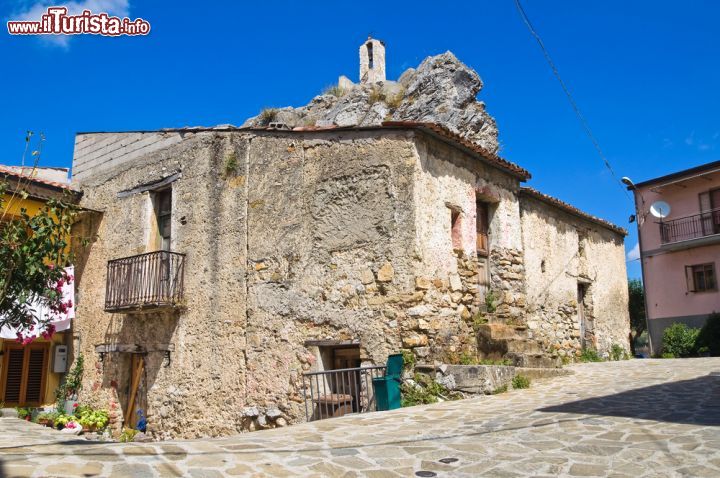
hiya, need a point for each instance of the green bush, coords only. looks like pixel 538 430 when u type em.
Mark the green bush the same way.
pixel 491 301
pixel 478 321
pixel 680 340
pixel 500 390
pixel 618 353
pixel 408 359
pixel 89 418
pixel 520 381
pixel 127 435
pixel 231 165
pixel 709 335
pixel 419 394
pixel 589 355
pixel 468 359
pixel 425 390
pixel 62 420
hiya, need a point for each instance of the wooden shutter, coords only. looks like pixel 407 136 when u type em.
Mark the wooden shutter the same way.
pixel 705 216
pixel 715 204
pixel 481 228
pixel 710 279
pixel 689 278
pixel 24 374
pixel 13 380
pixel 35 375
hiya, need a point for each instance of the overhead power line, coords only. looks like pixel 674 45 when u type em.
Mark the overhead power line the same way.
pixel 570 98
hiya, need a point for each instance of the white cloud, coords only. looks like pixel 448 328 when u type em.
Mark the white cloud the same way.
pixel 634 253
pixel 690 140
pixel 119 8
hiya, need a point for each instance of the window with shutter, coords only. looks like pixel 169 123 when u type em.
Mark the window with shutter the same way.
pixel 35 375
pixel 163 213
pixel 24 373
pixel 14 373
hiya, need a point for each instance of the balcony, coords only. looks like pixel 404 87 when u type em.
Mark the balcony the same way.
pixel 146 282
pixel 691 231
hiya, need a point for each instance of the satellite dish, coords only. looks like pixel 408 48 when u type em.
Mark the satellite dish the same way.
pixel 660 209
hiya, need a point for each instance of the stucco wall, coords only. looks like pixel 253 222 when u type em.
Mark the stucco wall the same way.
pixel 562 251
pixel 207 361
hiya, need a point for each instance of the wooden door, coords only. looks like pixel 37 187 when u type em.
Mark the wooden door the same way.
pixel 24 374
pixel 581 290
pixel 715 205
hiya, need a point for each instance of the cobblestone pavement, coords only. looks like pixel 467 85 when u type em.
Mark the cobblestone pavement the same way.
pixel 658 418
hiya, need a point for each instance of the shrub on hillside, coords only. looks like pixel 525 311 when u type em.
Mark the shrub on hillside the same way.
pixel 680 340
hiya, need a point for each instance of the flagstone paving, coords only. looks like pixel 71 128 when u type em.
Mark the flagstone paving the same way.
pixel 658 418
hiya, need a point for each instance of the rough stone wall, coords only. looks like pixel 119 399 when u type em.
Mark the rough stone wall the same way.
pixel 562 250
pixel 199 393
pixel 448 180
pixel 330 235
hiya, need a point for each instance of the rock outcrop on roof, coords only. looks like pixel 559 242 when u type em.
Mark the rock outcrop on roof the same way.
pixel 441 90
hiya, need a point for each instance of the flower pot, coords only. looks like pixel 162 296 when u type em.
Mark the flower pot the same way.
pixel 70 406
pixel 43 421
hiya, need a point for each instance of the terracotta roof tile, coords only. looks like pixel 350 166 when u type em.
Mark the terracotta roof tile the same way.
pixel 40 182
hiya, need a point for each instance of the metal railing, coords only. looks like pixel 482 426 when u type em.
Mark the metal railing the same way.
pixel 691 227
pixel 334 393
pixel 151 280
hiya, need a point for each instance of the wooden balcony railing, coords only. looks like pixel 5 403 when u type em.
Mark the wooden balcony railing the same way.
pixel 147 281
pixel 690 227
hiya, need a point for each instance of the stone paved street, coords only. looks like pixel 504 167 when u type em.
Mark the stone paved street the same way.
pixel 658 418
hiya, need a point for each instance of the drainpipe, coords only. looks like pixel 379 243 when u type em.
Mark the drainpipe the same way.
pixel 638 217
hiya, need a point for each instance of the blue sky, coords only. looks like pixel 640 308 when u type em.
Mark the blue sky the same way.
pixel 644 73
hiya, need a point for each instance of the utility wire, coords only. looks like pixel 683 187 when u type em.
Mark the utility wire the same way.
pixel 570 98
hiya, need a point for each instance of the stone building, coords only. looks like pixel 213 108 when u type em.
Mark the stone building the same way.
pixel 229 261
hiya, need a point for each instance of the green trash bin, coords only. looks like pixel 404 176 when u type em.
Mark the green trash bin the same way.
pixel 387 388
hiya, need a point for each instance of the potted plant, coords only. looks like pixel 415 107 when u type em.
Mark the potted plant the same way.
pixel 23 413
pixel 45 419
pixel 72 427
pixel 91 420
pixel 704 351
pixel 62 420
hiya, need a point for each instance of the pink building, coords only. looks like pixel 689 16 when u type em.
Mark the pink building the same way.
pixel 679 228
